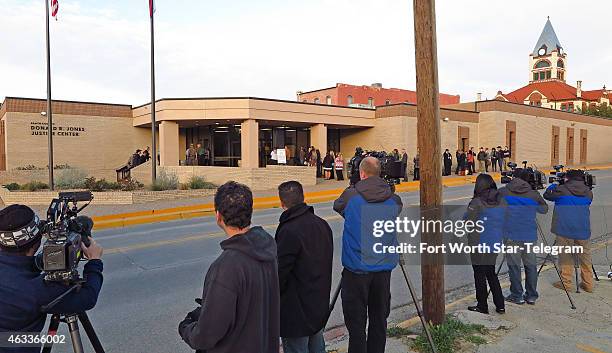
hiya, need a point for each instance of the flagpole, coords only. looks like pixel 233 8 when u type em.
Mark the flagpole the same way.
pixel 49 112
pixel 153 143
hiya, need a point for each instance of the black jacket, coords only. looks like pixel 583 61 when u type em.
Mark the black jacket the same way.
pixel 23 291
pixel 305 252
pixel 240 301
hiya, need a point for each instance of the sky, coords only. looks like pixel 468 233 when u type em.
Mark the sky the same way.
pixel 273 48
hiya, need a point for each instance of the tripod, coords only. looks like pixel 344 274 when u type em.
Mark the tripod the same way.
pixel 414 300
pixel 548 256
pixel 72 320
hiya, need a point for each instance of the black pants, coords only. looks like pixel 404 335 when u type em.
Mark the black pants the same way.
pixel 339 174
pixel 484 271
pixel 366 298
pixel 417 174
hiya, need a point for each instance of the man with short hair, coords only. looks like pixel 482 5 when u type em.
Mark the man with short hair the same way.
pixel 366 278
pixel 404 164
pixel 572 225
pixel 240 301
pixel 522 206
pixel 23 289
pixel 305 252
pixel 481 160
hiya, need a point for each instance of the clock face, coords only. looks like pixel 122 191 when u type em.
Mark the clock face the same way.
pixel 542 51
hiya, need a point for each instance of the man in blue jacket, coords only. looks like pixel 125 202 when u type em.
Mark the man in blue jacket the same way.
pixel 572 226
pixel 523 203
pixel 366 278
pixel 23 290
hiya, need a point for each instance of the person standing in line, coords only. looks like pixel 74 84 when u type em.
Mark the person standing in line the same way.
pixel 493 159
pixel 319 164
pixel 207 156
pixel 486 207
pixel 404 164
pixel 366 277
pixel 339 165
pixel 470 161
pixel 481 160
pixel 448 162
pixel 332 173
pixel 507 155
pixel 305 252
pixel 463 164
pixel 417 167
pixel 192 155
pixel 487 160
pixel 327 166
pixel 273 157
pixel 302 156
pixel 395 154
pixel 146 155
pixel 458 159
pixel 201 152
pixel 246 272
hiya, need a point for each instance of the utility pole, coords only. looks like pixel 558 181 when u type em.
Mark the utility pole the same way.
pixel 49 112
pixel 429 143
pixel 153 122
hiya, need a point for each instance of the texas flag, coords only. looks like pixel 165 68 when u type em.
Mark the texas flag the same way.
pixel 55 8
pixel 151 7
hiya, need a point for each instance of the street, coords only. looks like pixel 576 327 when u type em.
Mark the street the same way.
pixel 153 272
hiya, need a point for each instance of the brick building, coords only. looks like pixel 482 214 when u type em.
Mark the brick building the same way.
pixel 365 96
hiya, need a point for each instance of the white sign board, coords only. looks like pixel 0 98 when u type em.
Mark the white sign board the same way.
pixel 281 156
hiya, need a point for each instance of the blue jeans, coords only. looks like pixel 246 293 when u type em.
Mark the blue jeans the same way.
pixel 312 344
pixel 528 260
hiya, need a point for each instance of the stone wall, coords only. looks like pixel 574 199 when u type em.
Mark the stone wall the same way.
pixel 42 175
pixel 256 178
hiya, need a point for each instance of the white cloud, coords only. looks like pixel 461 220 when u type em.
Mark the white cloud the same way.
pixel 102 54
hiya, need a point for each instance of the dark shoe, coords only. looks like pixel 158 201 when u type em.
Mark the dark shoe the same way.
pixel 530 301
pixel 500 310
pixel 477 309
pixel 518 301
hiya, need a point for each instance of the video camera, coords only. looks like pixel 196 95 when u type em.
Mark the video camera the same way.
pixel 535 178
pixel 558 176
pixel 390 168
pixel 65 232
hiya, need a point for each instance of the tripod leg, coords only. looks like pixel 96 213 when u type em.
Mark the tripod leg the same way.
pixel 53 326
pixel 556 268
pixel 75 335
pixel 548 256
pixel 576 268
pixel 595 273
pixel 91 333
pixel 418 308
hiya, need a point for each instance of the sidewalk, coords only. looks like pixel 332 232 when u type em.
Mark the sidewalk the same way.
pixel 550 326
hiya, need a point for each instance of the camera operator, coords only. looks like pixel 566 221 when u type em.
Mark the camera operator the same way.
pixel 23 290
pixel 355 162
pixel 572 225
pixel 523 204
pixel 366 294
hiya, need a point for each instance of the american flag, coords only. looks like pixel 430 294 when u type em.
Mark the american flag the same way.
pixel 151 7
pixel 55 8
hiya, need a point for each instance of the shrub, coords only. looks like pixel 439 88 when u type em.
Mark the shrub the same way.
pixel 101 185
pixel 12 186
pixel 29 167
pixel 131 185
pixel 71 179
pixel 198 182
pixel 165 181
pixel 61 166
pixel 34 186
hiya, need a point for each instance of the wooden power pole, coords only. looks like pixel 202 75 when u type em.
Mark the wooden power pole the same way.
pixel 429 143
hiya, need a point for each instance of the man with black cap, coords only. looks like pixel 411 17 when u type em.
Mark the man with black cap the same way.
pixel 23 290
pixel 571 224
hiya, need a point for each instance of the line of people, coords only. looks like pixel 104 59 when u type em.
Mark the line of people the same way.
pixel 198 155
pixel 493 160
pixel 139 157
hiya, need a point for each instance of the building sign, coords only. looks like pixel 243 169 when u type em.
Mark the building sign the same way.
pixel 41 129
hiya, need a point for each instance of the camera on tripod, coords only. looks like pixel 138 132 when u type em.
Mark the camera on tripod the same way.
pixel 558 176
pixel 61 253
pixel 535 178
pixel 390 168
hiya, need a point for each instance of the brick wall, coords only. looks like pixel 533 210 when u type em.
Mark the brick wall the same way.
pixel 29 105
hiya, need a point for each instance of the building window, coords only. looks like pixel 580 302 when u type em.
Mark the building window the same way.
pixel 560 63
pixel 371 102
pixel 387 102
pixel 563 107
pixel 542 75
pixel 542 64
pixel 535 76
pixel 316 101
pixel 328 100
pixel 561 75
pixel 570 107
pixel 349 100
pixel 548 75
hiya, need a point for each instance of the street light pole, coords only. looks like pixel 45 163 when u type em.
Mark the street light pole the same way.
pixel 429 143
pixel 153 122
pixel 49 112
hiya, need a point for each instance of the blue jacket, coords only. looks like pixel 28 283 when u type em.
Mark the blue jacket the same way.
pixel 571 216
pixel 369 200
pixel 522 205
pixel 23 291
pixel 492 214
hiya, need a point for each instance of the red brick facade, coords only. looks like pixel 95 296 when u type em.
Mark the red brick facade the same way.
pixel 379 96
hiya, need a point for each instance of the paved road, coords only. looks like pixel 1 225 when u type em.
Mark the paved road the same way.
pixel 153 272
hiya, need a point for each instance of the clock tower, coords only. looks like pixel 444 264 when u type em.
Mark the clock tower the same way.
pixel 548 60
